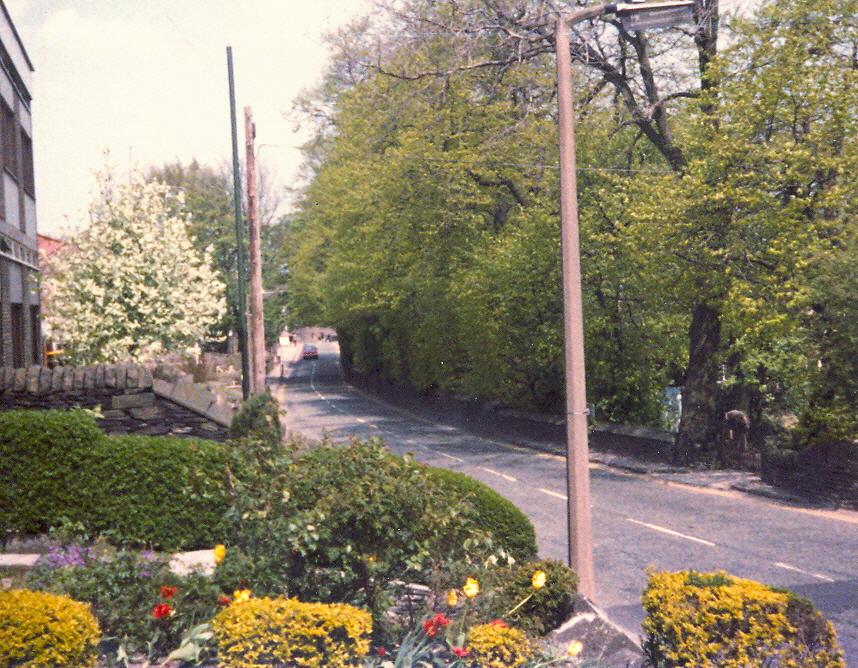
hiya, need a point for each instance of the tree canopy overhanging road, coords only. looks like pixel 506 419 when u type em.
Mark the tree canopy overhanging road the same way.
pixel 638 522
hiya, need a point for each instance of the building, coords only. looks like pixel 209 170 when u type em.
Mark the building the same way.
pixel 20 329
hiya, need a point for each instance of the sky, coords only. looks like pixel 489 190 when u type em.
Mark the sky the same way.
pixel 146 80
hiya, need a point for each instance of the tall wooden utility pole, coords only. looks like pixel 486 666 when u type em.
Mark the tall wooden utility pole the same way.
pixel 257 326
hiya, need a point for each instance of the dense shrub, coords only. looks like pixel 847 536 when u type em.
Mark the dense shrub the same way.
pixel 510 527
pixel 46 468
pixel 164 491
pixel 714 619
pixel 258 418
pixel 546 608
pixel 123 589
pixel 286 632
pixel 41 629
pixel 498 646
pixel 351 519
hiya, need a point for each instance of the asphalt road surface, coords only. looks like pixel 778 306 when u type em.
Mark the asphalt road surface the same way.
pixel 638 522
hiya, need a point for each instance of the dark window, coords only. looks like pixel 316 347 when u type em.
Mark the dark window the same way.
pixel 34 335
pixel 28 176
pixel 10 134
pixel 18 336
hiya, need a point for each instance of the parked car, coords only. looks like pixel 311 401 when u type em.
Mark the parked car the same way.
pixel 310 352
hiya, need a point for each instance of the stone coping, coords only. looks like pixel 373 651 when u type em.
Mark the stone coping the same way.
pixel 181 563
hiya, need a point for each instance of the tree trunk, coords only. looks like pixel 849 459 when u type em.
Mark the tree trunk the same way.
pixel 699 423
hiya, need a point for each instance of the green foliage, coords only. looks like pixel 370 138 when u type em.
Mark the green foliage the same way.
pixel 713 619
pixel 39 629
pixel 547 608
pixel 258 419
pixel 282 631
pixel 46 472
pixel 510 528
pixel 123 589
pixel 162 491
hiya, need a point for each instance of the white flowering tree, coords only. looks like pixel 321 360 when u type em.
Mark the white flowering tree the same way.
pixel 131 285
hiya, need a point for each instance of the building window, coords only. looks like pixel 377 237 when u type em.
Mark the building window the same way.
pixel 17 336
pixel 34 335
pixel 10 133
pixel 28 177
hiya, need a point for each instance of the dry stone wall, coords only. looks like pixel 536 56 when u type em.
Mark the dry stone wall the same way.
pixel 129 399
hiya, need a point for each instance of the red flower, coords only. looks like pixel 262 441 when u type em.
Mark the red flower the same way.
pixel 168 592
pixel 429 628
pixel 162 610
pixel 499 623
pixel 440 620
pixel 432 626
pixel 223 599
pixel 461 652
pixel 380 651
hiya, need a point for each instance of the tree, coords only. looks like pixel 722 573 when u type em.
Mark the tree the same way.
pixel 131 285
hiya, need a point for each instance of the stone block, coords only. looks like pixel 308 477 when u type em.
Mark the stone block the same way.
pixel 89 378
pixel 146 412
pixel 154 430
pixel 195 397
pixel 162 388
pixel 79 373
pixel 68 379
pixel 121 372
pixel 57 378
pixel 114 415
pixel 126 401
pixel 110 376
pixel 145 380
pixel 46 377
pixel 33 379
pixel 99 376
pixel 20 380
pixel 132 377
pixel 220 413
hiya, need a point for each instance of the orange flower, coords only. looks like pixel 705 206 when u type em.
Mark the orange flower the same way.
pixel 168 592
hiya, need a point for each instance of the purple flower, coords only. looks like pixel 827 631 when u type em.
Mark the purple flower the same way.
pixel 69 556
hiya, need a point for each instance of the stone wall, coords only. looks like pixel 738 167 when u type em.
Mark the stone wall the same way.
pixel 127 396
pixel 826 472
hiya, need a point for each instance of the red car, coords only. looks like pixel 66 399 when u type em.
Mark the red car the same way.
pixel 310 352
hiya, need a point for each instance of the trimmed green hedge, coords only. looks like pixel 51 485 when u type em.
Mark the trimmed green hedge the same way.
pixel 163 492
pixel 497 515
pixel 45 468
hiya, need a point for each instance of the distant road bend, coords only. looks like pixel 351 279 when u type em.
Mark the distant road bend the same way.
pixel 638 522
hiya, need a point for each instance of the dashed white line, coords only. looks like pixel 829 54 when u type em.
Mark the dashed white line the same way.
pixel 361 420
pixel 499 474
pixel 790 567
pixel 444 454
pixel 555 494
pixel 374 426
pixel 671 532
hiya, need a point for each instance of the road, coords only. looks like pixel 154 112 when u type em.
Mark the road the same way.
pixel 638 522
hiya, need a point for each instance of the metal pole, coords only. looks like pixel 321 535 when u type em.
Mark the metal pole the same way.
pixel 577 455
pixel 239 240
pixel 257 323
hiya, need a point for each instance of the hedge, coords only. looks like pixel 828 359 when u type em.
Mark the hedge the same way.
pixel 508 525
pixel 164 492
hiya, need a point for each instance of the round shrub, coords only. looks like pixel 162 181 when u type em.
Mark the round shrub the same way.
pixel 547 608
pixel 714 619
pixel 498 646
pixel 258 418
pixel 165 492
pixel 46 471
pixel 39 629
pixel 286 632
pixel 500 517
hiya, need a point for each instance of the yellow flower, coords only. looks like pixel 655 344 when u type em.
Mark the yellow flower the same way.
pixel 538 580
pixel 452 598
pixel 219 553
pixel 575 648
pixel 471 588
pixel 241 595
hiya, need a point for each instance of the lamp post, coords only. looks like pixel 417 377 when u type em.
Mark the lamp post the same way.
pixel 635 17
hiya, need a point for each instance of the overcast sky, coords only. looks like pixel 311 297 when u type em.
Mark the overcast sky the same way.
pixel 150 77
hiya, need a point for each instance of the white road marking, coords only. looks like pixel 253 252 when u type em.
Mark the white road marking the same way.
pixel 361 420
pixel 444 454
pixel 671 532
pixel 790 567
pixel 374 426
pixel 550 493
pixel 410 441
pixel 497 473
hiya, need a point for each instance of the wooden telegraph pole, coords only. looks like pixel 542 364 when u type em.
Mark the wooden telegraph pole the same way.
pixel 257 326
